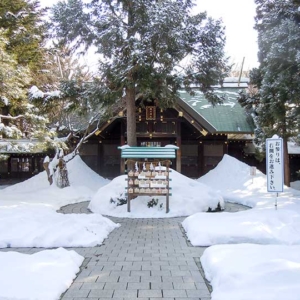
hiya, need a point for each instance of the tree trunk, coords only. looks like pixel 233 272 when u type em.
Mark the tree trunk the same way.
pixel 131 117
pixel 50 177
pixel 286 163
pixel 130 89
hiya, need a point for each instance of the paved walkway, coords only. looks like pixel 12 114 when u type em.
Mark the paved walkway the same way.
pixel 143 259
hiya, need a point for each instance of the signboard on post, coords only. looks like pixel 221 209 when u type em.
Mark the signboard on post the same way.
pixel 275 165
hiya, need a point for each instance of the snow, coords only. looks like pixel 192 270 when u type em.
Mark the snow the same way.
pixel 28 218
pixel 293 148
pixel 35 203
pixel 36 93
pixel 253 272
pixel 255 253
pixel 44 275
pixel 252 254
pixel 232 179
pixel 37 192
pixel 188 197
pixel 42 227
pixel 252 226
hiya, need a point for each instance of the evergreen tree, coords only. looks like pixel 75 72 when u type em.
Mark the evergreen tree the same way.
pixel 64 99
pixel 276 102
pixel 13 81
pixel 150 49
pixel 25 31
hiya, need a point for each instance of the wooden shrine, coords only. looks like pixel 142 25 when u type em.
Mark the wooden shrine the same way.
pixel 148 170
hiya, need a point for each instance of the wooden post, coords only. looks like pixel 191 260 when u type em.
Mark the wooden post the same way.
pixel 178 143
pixel 200 160
pixel 122 141
pixel 168 191
pixel 128 196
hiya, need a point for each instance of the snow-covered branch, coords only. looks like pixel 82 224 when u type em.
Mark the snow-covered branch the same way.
pixel 9 117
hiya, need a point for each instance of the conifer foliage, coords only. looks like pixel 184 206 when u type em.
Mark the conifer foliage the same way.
pixel 22 59
pixel 150 49
pixel 275 104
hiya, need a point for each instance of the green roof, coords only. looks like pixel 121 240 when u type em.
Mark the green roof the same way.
pixel 228 117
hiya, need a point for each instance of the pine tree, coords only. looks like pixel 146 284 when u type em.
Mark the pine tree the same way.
pixel 14 79
pixel 26 62
pixel 25 31
pixel 276 102
pixel 150 49
pixel 63 99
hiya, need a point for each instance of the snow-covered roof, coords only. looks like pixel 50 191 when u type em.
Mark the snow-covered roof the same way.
pixel 293 148
pixel 228 117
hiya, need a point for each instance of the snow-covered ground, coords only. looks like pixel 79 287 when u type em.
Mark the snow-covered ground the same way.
pixel 188 196
pixel 253 272
pixel 236 268
pixel 28 218
pixel 43 275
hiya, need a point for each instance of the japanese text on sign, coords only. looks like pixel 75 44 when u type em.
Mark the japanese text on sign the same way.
pixel 150 113
pixel 275 164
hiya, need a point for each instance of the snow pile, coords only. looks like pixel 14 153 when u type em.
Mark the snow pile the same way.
pixel 263 224
pixel 84 183
pixel 44 275
pixel 188 197
pixel 28 215
pixel 259 226
pixel 25 226
pixel 253 272
pixel 232 179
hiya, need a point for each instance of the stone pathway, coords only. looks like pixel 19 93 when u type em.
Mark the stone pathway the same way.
pixel 82 208
pixel 143 259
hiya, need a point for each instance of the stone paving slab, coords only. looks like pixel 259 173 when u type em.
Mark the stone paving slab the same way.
pixel 142 259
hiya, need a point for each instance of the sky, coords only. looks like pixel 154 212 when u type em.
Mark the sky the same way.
pixel 238 18
pixel 268 237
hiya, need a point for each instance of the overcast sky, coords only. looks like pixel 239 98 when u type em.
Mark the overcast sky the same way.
pixel 238 18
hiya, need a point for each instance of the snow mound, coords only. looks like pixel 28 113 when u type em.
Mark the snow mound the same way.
pixel 41 227
pixel 43 275
pixel 232 179
pixel 232 174
pixel 188 197
pixel 261 226
pixel 243 272
pixel 84 182
pixel 79 175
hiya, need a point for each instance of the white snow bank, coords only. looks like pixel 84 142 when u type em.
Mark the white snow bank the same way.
pixel 188 197
pixel 295 185
pixel 232 179
pixel 84 183
pixel 24 226
pixel 253 272
pixel 44 275
pixel 266 226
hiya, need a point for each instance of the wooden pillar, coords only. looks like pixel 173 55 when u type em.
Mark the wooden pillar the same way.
pixel 225 145
pixel 100 162
pixel 9 167
pixel 178 143
pixel 200 159
pixel 122 142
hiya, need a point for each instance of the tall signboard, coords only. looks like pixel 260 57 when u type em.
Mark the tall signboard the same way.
pixel 275 164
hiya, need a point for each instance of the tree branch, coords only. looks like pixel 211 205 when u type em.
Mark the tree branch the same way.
pixel 11 118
